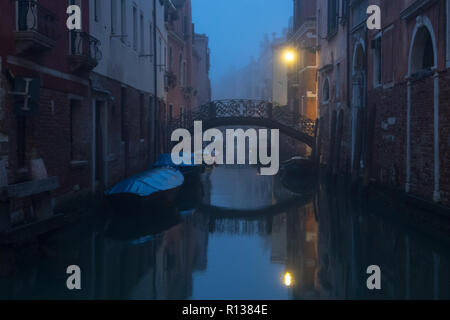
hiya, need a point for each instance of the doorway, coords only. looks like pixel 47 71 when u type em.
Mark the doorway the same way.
pixel 99 168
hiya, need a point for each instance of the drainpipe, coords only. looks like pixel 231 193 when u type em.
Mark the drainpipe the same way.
pixel 155 75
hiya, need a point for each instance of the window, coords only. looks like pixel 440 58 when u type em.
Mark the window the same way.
pixel 377 62
pixel 135 31
pixel 123 103
pixel 345 9
pixel 21 141
pixel 185 28
pixel 160 54
pixel 423 51
pixel 181 115
pixel 180 70
pixel 338 80
pixel 359 12
pixel 326 91
pixel 170 59
pixel 142 34
pixel 319 25
pixel 97 10
pixel 184 74
pixel 123 11
pixel 141 117
pixel 333 16
pixel 150 117
pixel 165 57
pixel 76 129
pixel 151 39
pixel 113 16
pixel 387 55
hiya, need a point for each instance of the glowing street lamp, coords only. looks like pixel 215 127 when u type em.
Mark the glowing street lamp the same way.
pixel 289 55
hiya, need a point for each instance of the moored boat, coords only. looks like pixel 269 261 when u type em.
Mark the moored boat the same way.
pixel 191 172
pixel 298 165
pixel 298 174
pixel 146 191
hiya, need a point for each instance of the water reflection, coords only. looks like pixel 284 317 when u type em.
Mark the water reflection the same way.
pixel 314 249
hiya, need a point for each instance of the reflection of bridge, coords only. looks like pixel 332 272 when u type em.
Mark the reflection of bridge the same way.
pixel 251 113
pixel 293 202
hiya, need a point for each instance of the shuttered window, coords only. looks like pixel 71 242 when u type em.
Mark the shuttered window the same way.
pixel 333 16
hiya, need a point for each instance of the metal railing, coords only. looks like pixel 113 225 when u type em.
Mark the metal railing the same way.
pixel 31 16
pixel 84 45
pixel 242 108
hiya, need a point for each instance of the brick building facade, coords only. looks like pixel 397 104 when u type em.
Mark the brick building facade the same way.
pixel 180 38
pixel 395 123
pixel 302 72
pixel 80 110
pixel 45 76
pixel 302 76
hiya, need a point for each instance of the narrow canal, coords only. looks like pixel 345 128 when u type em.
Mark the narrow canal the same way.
pixel 253 237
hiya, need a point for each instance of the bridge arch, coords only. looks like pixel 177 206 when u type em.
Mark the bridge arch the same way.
pixel 259 113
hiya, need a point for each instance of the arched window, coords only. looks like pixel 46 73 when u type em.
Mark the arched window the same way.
pixel 422 56
pixel 326 91
pixel 358 63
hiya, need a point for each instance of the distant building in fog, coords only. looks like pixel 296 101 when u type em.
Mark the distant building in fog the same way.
pixel 302 76
pixel 279 77
pixel 256 79
pixel 201 69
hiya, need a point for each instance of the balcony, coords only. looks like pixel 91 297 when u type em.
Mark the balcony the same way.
pixel 84 52
pixel 36 27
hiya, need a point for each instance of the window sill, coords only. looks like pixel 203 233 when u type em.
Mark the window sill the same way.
pixel 77 164
pixel 421 74
pixel 389 85
pixel 377 86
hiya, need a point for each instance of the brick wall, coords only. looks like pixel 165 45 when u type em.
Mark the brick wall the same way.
pixel 389 146
pixel 128 144
pixel 444 135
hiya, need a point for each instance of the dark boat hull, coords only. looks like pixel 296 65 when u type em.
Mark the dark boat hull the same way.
pixel 125 228
pixel 298 175
pixel 131 204
pixel 191 174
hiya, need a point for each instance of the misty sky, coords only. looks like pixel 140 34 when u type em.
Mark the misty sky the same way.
pixel 236 28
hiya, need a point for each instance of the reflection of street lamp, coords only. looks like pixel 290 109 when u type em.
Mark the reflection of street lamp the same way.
pixel 288 279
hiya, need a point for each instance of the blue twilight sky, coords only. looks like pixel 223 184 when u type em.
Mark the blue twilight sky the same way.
pixel 236 28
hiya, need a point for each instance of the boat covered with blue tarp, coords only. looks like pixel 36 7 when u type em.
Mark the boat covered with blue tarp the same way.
pixel 190 171
pixel 156 185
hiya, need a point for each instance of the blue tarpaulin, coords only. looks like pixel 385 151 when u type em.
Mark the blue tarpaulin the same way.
pixel 165 160
pixel 149 182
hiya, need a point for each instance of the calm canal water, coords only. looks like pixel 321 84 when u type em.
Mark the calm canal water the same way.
pixel 252 238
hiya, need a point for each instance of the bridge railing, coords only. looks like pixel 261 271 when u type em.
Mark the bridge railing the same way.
pixel 246 109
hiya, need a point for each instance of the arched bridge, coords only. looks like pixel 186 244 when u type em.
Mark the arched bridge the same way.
pixel 250 113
